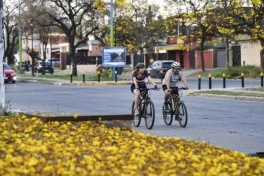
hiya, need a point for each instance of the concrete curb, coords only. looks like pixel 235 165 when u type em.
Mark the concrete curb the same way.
pixel 102 83
pixel 92 84
pixel 121 121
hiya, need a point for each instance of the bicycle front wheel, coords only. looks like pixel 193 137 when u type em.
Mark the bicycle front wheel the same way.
pixel 136 118
pixel 183 115
pixel 167 114
pixel 149 114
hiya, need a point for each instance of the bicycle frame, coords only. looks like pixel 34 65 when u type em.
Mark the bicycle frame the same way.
pixel 176 102
pixel 143 100
pixel 146 109
pixel 177 108
pixel 175 97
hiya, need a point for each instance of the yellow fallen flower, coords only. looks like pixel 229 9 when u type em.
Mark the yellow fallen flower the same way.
pixel 31 147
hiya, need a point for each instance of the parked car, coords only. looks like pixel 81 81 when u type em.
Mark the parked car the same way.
pixel 55 61
pixel 25 66
pixel 156 67
pixel 9 74
pixel 48 67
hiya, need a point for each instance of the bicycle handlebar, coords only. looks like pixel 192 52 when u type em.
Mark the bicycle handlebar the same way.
pixel 147 89
pixel 183 88
pixel 179 88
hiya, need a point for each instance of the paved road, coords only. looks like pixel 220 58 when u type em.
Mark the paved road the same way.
pixel 236 125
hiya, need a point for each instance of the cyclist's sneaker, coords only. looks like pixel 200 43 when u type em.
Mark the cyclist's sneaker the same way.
pixel 136 112
pixel 177 117
pixel 166 106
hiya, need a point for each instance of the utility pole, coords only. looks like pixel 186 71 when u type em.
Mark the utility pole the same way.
pixel 32 51
pixel 20 40
pixel 2 43
pixel 51 49
pixel 112 33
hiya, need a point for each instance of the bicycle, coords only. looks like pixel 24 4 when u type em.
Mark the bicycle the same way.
pixel 178 109
pixel 146 109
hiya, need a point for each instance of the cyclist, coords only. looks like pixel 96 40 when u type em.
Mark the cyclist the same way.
pixel 172 77
pixel 138 81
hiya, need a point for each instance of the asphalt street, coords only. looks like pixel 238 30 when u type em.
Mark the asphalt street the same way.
pixel 233 124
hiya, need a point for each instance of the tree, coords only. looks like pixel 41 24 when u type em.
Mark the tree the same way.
pixel 11 31
pixel 75 18
pixel 250 21
pixel 139 29
pixel 38 24
pixel 198 13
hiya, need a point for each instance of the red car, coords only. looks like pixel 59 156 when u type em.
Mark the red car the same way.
pixel 9 74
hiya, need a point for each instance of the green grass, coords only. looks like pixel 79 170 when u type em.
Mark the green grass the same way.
pixel 219 92
pixel 260 89
pixel 67 77
pixel 233 72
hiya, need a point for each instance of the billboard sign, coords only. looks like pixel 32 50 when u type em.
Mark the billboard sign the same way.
pixel 114 56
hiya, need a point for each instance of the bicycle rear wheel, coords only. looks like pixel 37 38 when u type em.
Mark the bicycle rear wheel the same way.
pixel 167 115
pixel 149 114
pixel 136 119
pixel 183 115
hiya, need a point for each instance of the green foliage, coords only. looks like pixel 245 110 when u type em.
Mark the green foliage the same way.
pixel 8 110
pixel 234 72
pixel 259 89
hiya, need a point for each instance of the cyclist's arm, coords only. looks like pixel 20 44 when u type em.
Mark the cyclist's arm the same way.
pixel 184 81
pixel 167 81
pixel 135 82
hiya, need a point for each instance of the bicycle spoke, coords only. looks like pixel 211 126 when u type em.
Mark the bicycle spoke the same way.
pixel 183 117
pixel 167 114
pixel 136 118
pixel 149 115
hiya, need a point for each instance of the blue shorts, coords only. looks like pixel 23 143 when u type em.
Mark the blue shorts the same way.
pixel 133 88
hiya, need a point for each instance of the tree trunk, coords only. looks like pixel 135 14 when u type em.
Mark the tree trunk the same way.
pixel 202 55
pixel 43 62
pixel 262 58
pixel 73 59
pixel 227 52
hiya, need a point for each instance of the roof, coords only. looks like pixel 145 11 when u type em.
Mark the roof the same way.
pixel 173 47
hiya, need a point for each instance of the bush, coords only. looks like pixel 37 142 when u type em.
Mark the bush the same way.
pixel 234 72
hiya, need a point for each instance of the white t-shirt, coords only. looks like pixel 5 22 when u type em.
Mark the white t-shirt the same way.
pixel 174 78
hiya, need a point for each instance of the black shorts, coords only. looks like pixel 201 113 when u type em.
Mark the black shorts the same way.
pixel 132 88
pixel 164 87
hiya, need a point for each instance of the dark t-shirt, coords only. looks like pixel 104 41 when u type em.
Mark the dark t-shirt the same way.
pixel 140 80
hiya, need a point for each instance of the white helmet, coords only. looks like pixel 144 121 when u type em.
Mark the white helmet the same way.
pixel 175 64
pixel 140 65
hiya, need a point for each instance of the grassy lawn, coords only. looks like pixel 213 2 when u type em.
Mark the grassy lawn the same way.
pixel 233 72
pixel 219 92
pixel 259 89
pixel 67 77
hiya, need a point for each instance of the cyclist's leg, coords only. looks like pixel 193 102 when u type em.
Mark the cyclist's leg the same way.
pixel 137 97
pixel 176 100
pixel 136 92
pixel 167 94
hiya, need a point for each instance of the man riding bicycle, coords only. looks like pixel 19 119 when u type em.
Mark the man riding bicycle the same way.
pixel 138 81
pixel 172 77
